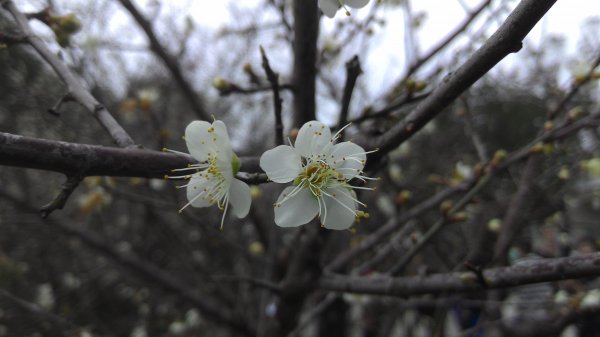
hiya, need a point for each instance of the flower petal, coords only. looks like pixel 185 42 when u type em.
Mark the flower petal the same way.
pixel 196 186
pixel 224 167
pixel 221 138
pixel 356 3
pixel 195 137
pixel 340 207
pixel 239 198
pixel 347 158
pixel 329 7
pixel 203 138
pixel 312 139
pixel 297 210
pixel 282 164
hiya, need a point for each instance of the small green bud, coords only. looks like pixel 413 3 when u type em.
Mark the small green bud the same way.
pixel 494 225
pixel 69 23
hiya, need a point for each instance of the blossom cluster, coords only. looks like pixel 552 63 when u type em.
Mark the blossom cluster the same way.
pixel 319 170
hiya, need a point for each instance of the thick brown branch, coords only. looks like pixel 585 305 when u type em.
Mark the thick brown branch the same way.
pixel 543 270
pixel 306 34
pixel 168 60
pixel 92 160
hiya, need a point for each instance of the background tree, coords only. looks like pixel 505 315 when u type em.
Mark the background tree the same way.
pixel 487 174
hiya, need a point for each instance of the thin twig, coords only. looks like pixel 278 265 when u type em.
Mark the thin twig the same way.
pixel 406 257
pixel 353 70
pixel 275 288
pixel 236 89
pixel 54 110
pixel 273 79
pixel 577 84
pixel 408 98
pixel 61 198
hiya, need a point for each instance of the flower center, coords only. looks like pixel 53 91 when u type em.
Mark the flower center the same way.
pixel 318 176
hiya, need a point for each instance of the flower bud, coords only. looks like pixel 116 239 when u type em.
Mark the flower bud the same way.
pixel 69 23
pixel 222 85
pixel 574 114
pixel 494 225
pixel 446 206
pixel 403 197
pixel 499 157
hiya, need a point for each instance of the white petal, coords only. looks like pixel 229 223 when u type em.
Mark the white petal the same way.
pixel 203 138
pixel 312 139
pixel 356 3
pixel 281 164
pixel 196 186
pixel 224 167
pixel 341 208
pixel 348 158
pixel 297 210
pixel 195 137
pixel 221 138
pixel 239 198
pixel 329 7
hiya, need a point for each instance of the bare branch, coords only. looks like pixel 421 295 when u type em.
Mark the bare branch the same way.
pixel 399 266
pixel 92 160
pixel 306 34
pixel 353 70
pixel 61 198
pixel 526 272
pixel 273 78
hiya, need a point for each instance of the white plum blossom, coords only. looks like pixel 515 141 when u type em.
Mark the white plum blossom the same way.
pixel 320 171
pixel 330 7
pixel 213 183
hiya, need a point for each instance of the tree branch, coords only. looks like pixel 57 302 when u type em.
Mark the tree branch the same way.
pixel 273 78
pixel 526 272
pixel 353 70
pixel 306 34
pixel 93 160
